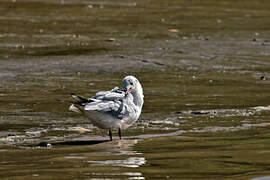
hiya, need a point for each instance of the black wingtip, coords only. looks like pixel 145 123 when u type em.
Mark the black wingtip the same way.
pixel 80 99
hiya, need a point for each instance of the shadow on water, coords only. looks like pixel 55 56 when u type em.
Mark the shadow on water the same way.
pixel 94 142
pixel 79 143
pixel 70 143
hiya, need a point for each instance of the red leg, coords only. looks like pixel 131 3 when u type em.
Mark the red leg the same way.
pixel 119 134
pixel 110 134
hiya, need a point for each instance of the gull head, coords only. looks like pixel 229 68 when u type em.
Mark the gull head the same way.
pixel 132 85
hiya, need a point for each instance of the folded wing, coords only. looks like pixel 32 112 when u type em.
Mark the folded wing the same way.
pixel 104 101
pixel 112 95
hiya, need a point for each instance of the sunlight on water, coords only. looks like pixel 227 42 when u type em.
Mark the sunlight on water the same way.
pixel 261 178
pixel 132 162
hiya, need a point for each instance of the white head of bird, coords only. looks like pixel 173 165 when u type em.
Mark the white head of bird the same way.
pixel 133 86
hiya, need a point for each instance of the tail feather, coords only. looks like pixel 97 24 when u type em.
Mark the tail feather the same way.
pixel 78 98
pixel 81 100
pixel 79 104
pixel 73 108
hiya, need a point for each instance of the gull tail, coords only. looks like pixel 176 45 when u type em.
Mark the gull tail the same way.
pixel 79 98
pixel 73 108
pixel 78 106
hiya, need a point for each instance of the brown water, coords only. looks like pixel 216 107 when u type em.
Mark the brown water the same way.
pixel 204 67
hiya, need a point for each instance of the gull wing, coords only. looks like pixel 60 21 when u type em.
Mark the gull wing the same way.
pixel 120 108
pixel 112 102
pixel 103 106
pixel 113 95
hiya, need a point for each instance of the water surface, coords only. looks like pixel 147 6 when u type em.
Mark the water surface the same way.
pixel 204 67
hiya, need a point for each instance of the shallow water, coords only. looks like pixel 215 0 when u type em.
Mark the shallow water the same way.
pixel 204 67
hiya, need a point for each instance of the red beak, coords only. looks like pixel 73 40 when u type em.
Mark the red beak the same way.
pixel 128 91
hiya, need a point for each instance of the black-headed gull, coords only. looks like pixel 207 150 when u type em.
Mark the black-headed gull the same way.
pixel 114 109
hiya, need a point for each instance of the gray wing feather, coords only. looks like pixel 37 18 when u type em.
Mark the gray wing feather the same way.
pixel 103 106
pixel 113 95
pixel 112 102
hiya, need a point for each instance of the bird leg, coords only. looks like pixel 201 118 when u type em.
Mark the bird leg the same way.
pixel 110 134
pixel 119 134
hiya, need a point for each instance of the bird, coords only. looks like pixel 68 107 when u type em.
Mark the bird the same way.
pixel 113 109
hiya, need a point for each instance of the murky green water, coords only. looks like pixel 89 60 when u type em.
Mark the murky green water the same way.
pixel 204 67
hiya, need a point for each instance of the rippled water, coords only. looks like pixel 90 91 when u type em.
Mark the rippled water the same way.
pixel 204 67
